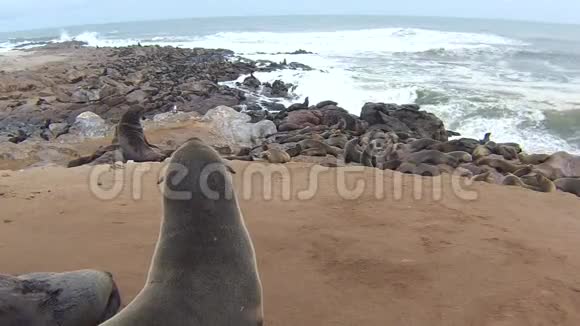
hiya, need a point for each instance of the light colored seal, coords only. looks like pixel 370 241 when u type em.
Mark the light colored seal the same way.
pixel 80 298
pixel 541 184
pixel 275 155
pixel 204 269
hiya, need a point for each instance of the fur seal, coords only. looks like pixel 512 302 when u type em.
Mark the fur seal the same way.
pixel 299 106
pixel 79 298
pixel 543 184
pixel 533 159
pixel 432 157
pixel 316 146
pixel 275 155
pixel 427 170
pixel 352 151
pixel 524 171
pixel 422 144
pixel 481 151
pixel 560 165
pixel 570 185
pixel 407 168
pixel 91 158
pixel 490 176
pixel 337 140
pixel 462 157
pixel 500 165
pixel 132 140
pixel 508 152
pixel 203 271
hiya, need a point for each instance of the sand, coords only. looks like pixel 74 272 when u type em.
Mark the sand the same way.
pixel 25 60
pixel 510 257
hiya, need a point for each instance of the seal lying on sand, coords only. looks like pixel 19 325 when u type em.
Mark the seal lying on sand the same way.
pixel 275 155
pixel 80 298
pixel 132 140
pixel 204 269
pixel 500 165
pixel 560 165
pixel 571 185
pixel 541 183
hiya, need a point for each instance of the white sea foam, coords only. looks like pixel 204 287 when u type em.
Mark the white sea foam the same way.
pixel 471 70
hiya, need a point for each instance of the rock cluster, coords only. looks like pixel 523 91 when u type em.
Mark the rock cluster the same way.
pixel 108 81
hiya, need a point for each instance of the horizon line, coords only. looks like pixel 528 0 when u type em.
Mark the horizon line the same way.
pixel 514 20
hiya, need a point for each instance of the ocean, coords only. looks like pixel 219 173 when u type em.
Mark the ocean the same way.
pixel 518 80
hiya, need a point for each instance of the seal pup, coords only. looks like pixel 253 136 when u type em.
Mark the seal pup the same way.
pixel 132 140
pixel 275 155
pixel 79 298
pixel 203 271
pixel 570 185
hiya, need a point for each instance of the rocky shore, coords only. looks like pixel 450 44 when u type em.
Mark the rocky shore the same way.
pixel 46 109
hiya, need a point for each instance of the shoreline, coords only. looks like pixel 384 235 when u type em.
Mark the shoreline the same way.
pixel 48 113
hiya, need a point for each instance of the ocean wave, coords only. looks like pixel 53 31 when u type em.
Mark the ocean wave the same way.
pixel 351 42
pixel 94 39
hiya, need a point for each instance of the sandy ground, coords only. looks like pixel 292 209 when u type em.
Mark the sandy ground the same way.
pixel 510 257
pixel 23 60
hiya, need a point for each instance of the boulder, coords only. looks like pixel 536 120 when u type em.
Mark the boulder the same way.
pixel 199 87
pixel 90 125
pixel 235 128
pixel 82 95
pixel 136 97
pixel 58 129
pixel 175 116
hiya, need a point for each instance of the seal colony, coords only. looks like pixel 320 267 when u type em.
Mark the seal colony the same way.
pixel 328 133
pixel 204 268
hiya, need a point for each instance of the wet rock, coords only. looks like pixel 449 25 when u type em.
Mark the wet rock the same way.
pixel 277 89
pixel 252 82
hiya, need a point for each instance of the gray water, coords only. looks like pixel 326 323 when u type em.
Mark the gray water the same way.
pixel 518 80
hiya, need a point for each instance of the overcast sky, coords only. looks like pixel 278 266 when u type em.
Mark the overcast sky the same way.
pixel 30 14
